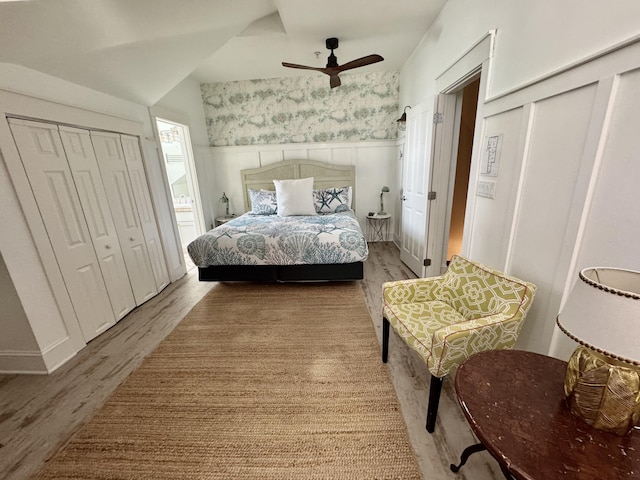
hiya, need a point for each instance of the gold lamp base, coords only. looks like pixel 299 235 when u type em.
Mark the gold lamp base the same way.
pixel 602 391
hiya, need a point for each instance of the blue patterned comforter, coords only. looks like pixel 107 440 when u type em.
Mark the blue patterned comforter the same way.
pixel 273 240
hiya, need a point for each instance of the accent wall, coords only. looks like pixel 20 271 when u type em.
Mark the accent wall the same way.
pixel 302 110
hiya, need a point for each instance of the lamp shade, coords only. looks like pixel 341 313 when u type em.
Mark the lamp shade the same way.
pixel 603 312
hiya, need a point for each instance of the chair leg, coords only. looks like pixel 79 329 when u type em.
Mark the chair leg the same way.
pixel 385 339
pixel 434 399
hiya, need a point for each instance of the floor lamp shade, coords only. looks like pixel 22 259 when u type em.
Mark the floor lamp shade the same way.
pixel 602 313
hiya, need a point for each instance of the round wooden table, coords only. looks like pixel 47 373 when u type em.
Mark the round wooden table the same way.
pixel 514 403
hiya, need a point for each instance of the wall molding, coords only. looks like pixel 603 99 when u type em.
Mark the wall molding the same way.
pixel 621 57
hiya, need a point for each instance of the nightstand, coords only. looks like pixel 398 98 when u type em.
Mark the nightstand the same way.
pixel 220 220
pixel 378 227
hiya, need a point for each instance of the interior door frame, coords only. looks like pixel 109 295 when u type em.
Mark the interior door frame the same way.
pixel 474 63
pixel 192 175
pixel 167 115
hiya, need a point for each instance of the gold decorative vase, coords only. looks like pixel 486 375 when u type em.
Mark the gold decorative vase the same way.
pixel 602 391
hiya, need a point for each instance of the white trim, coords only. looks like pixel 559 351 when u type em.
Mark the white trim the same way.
pixel 474 170
pixel 622 57
pixel 590 164
pixel 35 362
pixel 571 66
pixel 524 140
pixel 271 147
pixel 467 66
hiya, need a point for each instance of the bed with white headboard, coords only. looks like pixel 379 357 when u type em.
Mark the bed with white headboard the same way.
pixel 262 245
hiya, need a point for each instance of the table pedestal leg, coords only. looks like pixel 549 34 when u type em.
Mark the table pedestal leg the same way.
pixel 470 450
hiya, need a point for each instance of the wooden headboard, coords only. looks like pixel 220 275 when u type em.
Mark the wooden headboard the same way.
pixel 324 175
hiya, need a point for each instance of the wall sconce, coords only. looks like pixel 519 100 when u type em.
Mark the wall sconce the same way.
pixel 384 190
pixel 224 199
pixel 402 121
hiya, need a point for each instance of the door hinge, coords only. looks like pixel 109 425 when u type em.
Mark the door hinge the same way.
pixel 431 196
pixel 437 118
pixel 427 262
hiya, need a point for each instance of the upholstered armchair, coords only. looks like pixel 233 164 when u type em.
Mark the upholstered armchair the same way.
pixel 445 319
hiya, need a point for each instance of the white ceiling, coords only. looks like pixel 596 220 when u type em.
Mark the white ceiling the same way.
pixel 141 49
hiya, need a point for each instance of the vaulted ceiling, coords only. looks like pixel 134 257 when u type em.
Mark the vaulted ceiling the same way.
pixel 141 49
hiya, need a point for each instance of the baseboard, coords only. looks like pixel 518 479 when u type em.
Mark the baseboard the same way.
pixel 34 362
pixel 12 362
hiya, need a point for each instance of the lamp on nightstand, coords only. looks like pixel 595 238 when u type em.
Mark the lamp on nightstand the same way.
pixel 602 383
pixel 224 199
pixel 384 190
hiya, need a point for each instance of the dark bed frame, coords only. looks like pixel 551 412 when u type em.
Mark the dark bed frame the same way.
pixel 325 176
pixel 281 273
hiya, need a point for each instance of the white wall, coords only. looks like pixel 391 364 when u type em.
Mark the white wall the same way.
pixel 554 189
pixel 186 98
pixel 534 38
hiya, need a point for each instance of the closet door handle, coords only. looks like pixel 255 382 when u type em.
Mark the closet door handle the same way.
pixel 131 239
pixel 108 247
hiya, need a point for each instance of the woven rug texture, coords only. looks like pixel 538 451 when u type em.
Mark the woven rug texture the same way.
pixel 259 381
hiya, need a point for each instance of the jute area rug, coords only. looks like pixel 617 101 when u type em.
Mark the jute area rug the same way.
pixel 280 381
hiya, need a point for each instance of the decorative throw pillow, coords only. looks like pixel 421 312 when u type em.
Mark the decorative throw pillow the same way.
pixel 263 202
pixel 332 200
pixel 295 197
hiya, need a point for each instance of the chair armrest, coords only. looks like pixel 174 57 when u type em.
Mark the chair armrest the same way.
pixel 409 291
pixel 453 344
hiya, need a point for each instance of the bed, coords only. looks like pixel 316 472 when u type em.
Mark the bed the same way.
pixel 261 245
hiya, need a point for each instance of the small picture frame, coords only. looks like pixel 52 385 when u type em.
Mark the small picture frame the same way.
pixel 490 161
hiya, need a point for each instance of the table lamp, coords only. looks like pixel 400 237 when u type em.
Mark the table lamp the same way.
pixel 602 383
pixel 224 199
pixel 384 190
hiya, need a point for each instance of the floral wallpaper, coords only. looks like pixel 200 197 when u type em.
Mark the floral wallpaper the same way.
pixel 302 109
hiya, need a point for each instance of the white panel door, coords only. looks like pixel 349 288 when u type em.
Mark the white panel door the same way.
pixel 84 168
pixel 117 184
pixel 53 187
pixel 415 186
pixel 133 158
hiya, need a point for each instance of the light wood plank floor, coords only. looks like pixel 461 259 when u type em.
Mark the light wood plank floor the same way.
pixel 38 413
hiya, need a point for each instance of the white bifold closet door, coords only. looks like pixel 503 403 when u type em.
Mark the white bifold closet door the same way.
pixel 92 194
pixel 93 198
pixel 135 167
pixel 117 183
pixel 52 183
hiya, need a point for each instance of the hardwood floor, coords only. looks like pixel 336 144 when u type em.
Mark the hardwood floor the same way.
pixel 38 413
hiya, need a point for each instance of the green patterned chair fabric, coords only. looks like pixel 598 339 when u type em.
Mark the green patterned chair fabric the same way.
pixel 469 309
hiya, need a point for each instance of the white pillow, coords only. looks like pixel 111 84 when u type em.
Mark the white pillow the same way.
pixel 295 197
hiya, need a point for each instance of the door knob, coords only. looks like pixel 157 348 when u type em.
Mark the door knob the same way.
pixel 108 247
pixel 131 239
pixel 403 198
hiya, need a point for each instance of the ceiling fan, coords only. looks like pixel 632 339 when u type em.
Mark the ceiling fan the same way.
pixel 333 69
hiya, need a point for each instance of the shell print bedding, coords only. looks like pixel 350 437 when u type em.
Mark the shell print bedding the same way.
pixel 274 240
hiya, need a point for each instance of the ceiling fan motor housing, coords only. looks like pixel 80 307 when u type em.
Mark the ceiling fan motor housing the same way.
pixel 331 43
pixel 332 60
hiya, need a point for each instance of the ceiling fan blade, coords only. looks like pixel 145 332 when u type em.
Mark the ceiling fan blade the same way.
pixel 359 62
pixel 303 67
pixel 334 81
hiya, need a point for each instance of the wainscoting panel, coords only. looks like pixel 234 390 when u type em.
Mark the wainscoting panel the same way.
pixel 374 161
